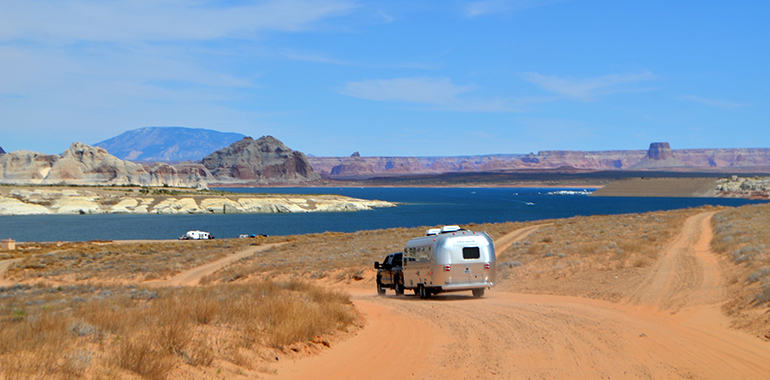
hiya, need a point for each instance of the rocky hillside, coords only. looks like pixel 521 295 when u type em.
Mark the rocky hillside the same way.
pixel 659 156
pixel 741 187
pixel 167 144
pixel 266 160
pixel 83 164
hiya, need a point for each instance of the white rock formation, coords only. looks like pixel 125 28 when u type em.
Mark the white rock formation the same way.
pixel 37 201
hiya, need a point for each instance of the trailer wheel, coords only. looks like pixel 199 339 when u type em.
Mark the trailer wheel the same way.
pixel 478 293
pixel 398 287
pixel 424 293
pixel 380 289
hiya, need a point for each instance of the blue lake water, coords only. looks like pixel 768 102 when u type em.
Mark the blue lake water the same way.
pixel 419 207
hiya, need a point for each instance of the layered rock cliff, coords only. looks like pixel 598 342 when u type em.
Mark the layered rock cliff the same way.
pixel 83 164
pixel 266 160
pixel 658 156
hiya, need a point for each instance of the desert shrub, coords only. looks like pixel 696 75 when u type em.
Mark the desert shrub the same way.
pixel 763 296
pixel 758 274
pixel 140 354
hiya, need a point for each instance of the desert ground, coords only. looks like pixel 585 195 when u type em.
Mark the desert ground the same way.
pixel 678 294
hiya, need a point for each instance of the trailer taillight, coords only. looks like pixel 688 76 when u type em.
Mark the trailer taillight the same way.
pixel 486 265
pixel 447 268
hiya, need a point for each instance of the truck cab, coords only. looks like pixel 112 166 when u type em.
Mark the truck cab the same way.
pixel 390 273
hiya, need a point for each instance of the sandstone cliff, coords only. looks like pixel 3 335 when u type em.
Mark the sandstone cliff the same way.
pixel 658 156
pixel 87 165
pixel 266 160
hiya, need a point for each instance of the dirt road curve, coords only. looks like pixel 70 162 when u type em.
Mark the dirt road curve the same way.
pixel 669 327
pixel 4 267
pixel 193 276
pixel 504 242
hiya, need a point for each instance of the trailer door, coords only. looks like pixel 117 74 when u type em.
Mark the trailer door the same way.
pixel 473 268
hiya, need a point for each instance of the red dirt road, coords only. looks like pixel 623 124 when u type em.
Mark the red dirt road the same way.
pixel 670 326
pixel 193 276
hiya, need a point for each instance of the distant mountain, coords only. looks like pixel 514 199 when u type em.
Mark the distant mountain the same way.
pixel 168 144
pixel 1 150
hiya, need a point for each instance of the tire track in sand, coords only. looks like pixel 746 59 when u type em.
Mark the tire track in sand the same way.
pixel 4 265
pixel 506 335
pixel 193 276
pixel 686 274
pixel 502 243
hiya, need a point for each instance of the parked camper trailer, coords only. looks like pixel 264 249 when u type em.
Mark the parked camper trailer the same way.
pixel 449 259
pixel 196 235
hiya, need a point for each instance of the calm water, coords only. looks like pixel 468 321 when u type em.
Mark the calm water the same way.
pixel 420 207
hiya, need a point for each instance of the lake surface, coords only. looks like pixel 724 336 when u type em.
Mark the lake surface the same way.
pixel 419 207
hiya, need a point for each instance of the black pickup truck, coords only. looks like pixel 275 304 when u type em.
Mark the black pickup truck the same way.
pixel 390 274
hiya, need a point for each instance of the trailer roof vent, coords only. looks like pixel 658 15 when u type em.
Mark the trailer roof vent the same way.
pixel 446 229
pixel 433 231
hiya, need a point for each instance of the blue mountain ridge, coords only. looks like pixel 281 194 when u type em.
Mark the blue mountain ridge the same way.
pixel 168 144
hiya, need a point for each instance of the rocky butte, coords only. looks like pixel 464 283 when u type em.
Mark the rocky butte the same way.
pixel 262 161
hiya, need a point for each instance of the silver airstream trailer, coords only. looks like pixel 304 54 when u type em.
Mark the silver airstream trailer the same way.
pixel 449 259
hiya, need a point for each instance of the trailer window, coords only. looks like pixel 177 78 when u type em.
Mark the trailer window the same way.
pixel 470 253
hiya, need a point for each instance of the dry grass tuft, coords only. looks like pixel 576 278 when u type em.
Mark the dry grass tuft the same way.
pixel 741 237
pixel 117 262
pixel 69 332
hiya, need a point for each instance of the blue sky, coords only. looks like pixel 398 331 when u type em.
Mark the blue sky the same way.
pixel 400 78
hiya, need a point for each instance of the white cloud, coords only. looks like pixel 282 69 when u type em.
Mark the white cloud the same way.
pixel 714 102
pixel 439 91
pixel 170 20
pixel 590 88
pixel 386 17
pixel 479 8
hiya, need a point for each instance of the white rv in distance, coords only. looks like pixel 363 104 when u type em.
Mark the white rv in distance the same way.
pixel 449 259
pixel 196 235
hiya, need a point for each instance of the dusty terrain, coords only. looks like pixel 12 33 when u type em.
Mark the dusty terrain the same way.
pixel 603 306
pixel 668 326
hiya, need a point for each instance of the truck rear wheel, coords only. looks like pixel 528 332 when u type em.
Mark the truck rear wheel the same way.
pixel 398 287
pixel 380 289
pixel 478 293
